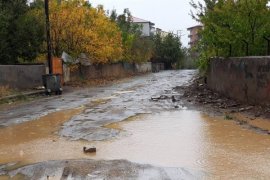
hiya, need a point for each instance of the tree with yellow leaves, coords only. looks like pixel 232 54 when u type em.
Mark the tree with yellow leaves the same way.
pixel 76 28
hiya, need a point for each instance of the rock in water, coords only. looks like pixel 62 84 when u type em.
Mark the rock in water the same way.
pixel 89 149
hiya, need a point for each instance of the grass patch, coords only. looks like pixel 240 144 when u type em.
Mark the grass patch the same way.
pixel 5 91
pixel 17 99
pixel 228 117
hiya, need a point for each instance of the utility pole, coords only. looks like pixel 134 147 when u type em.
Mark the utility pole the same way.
pixel 179 34
pixel 49 47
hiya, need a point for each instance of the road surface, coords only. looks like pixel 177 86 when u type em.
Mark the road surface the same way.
pixel 139 130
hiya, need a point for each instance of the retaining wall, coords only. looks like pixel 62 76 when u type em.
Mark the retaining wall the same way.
pixel 246 79
pixel 22 76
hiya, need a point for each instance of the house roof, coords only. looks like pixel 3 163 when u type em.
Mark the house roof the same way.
pixel 197 26
pixel 139 20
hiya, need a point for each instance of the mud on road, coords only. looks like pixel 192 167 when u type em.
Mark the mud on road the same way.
pixel 152 119
pixel 32 131
pixel 197 95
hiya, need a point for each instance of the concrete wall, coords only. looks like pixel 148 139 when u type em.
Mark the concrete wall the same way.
pixel 103 71
pixel 156 67
pixel 129 67
pixel 66 73
pixel 246 79
pixel 21 76
pixel 143 67
pixel 118 70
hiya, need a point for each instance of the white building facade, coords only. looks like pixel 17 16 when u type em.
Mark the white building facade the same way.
pixel 147 27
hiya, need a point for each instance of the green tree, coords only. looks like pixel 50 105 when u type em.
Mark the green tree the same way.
pixel 172 49
pixel 168 50
pixel 21 33
pixel 136 48
pixel 158 48
pixel 232 28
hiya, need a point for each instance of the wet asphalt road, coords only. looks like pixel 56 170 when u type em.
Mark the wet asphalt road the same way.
pixel 104 105
pixel 136 137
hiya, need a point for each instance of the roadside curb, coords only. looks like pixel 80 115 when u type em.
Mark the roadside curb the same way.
pixel 25 94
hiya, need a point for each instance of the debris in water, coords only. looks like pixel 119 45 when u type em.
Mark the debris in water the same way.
pixel 245 109
pixel 173 99
pixel 162 97
pixel 89 150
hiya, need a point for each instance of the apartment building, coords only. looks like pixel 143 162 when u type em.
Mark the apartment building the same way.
pixel 147 26
pixel 194 35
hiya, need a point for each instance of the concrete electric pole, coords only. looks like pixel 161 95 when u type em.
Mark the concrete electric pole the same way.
pixel 49 47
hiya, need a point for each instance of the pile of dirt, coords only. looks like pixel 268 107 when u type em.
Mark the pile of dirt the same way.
pixel 197 94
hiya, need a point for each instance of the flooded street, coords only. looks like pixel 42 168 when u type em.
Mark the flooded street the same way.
pixel 123 123
pixel 192 140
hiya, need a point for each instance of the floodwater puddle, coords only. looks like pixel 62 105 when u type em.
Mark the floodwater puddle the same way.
pixel 36 129
pixel 260 123
pixel 36 140
pixel 183 138
pixel 102 100
pixel 123 92
pixel 192 140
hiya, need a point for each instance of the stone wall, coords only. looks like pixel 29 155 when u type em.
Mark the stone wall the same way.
pixel 246 79
pixel 22 76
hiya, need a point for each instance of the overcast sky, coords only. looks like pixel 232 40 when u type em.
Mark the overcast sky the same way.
pixel 169 15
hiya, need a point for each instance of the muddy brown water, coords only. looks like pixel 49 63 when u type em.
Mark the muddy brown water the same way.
pixel 183 138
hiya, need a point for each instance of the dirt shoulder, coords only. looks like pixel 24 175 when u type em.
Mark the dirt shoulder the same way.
pixel 198 96
pixel 86 83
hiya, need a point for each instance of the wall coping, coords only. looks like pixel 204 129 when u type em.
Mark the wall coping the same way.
pixel 244 57
pixel 22 64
